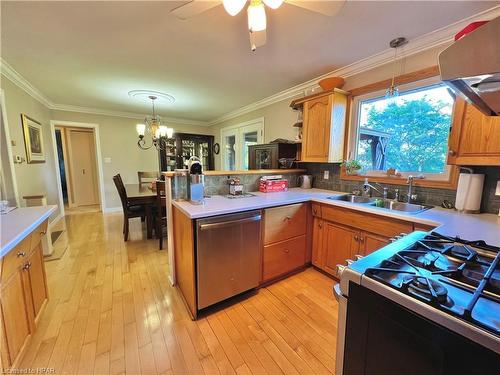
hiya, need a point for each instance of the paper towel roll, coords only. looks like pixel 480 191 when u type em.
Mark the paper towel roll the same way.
pixel 469 192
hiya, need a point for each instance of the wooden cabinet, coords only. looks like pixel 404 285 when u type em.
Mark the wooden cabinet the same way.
pixel 182 146
pixel 340 234
pixel 22 296
pixel 323 127
pixel 285 240
pixel 266 156
pixel 474 137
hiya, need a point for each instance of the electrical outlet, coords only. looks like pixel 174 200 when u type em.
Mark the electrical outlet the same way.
pixel 326 175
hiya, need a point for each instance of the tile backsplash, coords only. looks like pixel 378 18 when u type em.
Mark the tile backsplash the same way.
pixel 434 197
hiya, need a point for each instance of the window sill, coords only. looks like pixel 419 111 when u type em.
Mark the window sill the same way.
pixel 451 183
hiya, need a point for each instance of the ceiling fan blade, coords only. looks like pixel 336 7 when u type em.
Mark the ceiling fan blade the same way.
pixel 193 8
pixel 257 39
pixel 328 8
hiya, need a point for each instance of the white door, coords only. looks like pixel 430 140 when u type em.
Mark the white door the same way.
pixel 235 142
pixel 83 167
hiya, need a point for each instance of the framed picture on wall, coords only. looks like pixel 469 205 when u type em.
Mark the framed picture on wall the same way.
pixel 33 140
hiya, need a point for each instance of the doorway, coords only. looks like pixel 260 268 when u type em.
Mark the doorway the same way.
pixel 235 142
pixel 78 164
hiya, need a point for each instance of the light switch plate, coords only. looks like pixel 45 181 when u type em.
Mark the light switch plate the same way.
pixel 107 160
pixel 326 175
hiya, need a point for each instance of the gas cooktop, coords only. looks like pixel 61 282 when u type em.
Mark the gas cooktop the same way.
pixel 456 276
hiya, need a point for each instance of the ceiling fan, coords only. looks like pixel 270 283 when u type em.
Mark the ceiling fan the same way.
pixel 256 12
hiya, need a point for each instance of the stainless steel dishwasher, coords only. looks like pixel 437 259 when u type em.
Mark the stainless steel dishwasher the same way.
pixel 228 256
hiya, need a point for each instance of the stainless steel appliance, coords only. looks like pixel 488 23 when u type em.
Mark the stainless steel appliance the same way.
pixel 305 181
pixel 424 304
pixel 471 66
pixel 228 256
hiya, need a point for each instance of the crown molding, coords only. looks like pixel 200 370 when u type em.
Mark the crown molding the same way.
pixel 11 74
pixel 422 43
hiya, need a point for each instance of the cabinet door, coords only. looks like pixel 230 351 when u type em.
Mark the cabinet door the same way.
pixel 316 129
pixel 475 138
pixel 14 315
pixel 339 244
pixel 36 272
pixel 317 243
pixel 370 242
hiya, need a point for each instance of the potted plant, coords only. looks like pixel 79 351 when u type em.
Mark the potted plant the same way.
pixel 351 166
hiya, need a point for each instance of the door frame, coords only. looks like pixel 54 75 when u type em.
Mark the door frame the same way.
pixel 259 121
pixel 6 132
pixel 97 144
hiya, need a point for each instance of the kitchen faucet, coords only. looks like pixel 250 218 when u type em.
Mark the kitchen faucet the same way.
pixel 367 189
pixel 410 195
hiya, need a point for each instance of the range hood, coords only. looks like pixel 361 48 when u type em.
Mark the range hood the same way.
pixel 471 67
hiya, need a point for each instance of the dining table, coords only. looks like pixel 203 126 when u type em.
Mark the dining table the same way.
pixel 144 195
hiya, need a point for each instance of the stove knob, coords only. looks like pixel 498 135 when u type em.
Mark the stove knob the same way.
pixel 340 269
pixel 358 257
pixel 392 239
pixel 349 262
pixel 403 234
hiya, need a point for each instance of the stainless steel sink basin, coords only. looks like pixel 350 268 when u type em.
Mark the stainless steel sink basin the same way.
pixel 405 207
pixel 380 203
pixel 352 198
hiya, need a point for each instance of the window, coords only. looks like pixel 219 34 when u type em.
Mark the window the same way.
pixel 408 133
pixel 235 142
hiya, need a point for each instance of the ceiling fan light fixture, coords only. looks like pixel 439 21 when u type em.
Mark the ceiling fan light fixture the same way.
pixel 256 17
pixel 273 4
pixel 233 7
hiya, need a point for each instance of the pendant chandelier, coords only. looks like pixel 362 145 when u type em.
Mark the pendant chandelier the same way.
pixel 153 132
pixel 393 90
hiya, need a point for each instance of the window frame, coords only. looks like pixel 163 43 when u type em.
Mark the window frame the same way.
pixel 448 179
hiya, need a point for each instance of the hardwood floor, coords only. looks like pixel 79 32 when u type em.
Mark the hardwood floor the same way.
pixel 112 311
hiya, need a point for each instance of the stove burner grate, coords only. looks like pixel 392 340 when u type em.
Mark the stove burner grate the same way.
pixel 426 288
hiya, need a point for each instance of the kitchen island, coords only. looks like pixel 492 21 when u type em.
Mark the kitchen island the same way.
pixel 303 226
pixel 22 278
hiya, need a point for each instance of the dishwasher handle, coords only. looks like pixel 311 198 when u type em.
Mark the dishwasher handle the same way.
pixel 225 224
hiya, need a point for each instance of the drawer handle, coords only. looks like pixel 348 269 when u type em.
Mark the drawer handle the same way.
pixel 21 254
pixel 315 211
pixel 27 266
pixel 43 232
pixel 356 238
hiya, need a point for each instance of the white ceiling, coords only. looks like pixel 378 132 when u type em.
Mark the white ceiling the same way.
pixel 91 54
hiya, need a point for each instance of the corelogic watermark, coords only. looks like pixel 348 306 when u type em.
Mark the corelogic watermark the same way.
pixel 28 370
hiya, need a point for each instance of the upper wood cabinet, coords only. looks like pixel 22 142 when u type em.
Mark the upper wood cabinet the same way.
pixel 324 127
pixel 474 137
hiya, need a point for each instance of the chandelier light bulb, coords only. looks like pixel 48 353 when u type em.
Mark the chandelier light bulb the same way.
pixel 170 132
pixel 233 7
pixel 141 129
pixel 163 131
pixel 256 17
pixel 273 4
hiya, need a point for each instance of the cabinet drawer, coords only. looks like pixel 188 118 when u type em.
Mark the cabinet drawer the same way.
pixel 15 258
pixel 37 234
pixel 316 210
pixel 365 221
pixel 283 257
pixel 282 223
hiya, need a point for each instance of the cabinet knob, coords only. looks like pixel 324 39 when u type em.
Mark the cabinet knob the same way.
pixel 356 238
pixel 452 153
pixel 320 225
pixel 287 218
pixel 27 266
pixel 43 232
pixel 315 211
pixel 361 239
pixel 286 251
pixel 21 254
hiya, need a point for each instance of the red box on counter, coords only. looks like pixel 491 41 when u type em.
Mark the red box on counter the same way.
pixel 270 186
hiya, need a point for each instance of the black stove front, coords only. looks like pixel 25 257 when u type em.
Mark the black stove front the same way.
pixel 384 338
pixel 459 277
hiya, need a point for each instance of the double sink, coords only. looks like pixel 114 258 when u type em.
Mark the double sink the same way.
pixel 381 203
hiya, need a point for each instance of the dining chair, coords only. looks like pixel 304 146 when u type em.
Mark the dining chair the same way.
pixel 130 211
pixel 161 211
pixel 147 177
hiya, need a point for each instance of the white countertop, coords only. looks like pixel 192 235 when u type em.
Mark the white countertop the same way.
pixel 19 223
pixel 449 222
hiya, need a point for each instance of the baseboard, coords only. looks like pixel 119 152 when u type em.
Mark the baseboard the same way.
pixel 109 210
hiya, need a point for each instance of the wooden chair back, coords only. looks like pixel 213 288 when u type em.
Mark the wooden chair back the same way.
pixel 146 177
pixel 121 190
pixel 161 201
